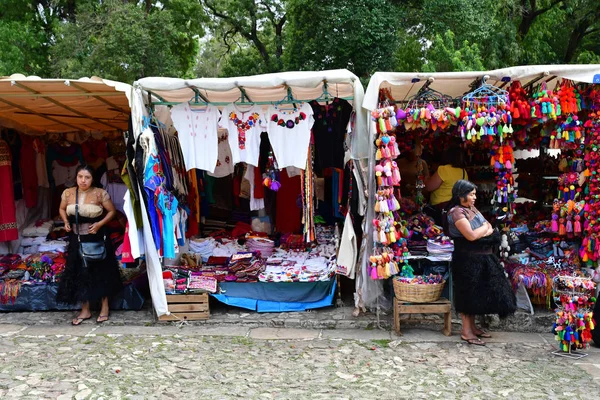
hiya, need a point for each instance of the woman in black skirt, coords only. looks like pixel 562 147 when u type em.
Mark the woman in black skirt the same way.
pixel 94 280
pixel 480 285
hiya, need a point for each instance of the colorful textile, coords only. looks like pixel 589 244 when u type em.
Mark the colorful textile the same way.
pixel 8 212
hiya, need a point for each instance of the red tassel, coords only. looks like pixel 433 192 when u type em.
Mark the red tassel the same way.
pixel 577 226
pixel 562 230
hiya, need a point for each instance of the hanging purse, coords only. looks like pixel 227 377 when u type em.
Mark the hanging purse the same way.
pixel 89 251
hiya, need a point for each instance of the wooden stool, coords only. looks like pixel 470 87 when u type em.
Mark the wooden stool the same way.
pixel 441 306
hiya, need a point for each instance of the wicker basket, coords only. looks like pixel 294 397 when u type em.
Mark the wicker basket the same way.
pixel 418 293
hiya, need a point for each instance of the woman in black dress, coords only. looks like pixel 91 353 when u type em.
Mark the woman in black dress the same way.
pixel 94 280
pixel 480 284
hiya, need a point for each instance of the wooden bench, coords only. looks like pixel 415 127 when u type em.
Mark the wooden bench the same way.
pixel 441 306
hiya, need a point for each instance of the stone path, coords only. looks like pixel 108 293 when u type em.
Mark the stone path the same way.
pixel 228 361
pixel 324 318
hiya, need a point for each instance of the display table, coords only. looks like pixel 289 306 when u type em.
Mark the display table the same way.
pixel 277 296
pixel 43 298
pixel 441 306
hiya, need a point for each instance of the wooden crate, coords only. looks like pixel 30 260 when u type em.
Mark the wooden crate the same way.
pixel 190 307
pixel 441 306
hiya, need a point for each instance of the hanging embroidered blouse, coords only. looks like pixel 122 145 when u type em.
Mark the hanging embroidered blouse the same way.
pixel 224 162
pixel 197 133
pixel 289 134
pixel 244 126
pixel 329 131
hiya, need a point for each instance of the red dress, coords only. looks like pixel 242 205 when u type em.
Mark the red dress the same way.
pixel 8 216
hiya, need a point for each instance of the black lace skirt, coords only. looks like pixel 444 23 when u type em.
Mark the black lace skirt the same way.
pixel 99 279
pixel 480 284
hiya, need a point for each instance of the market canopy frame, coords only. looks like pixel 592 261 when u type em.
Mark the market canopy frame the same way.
pixel 404 85
pixel 37 106
pixel 263 89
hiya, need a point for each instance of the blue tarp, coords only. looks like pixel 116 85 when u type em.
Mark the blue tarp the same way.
pixel 43 298
pixel 292 292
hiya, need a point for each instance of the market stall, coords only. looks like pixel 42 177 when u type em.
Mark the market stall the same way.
pixel 530 137
pixel 256 172
pixel 48 128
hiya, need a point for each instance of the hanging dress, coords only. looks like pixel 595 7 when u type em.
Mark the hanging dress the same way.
pixel 8 215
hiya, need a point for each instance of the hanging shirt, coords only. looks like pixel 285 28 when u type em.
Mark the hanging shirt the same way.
pixel 329 131
pixel 40 162
pixel 197 133
pixel 167 203
pixel 224 162
pixel 244 127
pixel 289 134
pixel 152 181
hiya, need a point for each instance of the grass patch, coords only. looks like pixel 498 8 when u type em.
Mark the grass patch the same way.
pixel 243 340
pixel 381 342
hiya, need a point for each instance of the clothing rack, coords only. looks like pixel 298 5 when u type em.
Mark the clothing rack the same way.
pixel 199 99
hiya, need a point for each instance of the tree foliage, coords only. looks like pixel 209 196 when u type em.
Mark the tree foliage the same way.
pixel 357 35
pixel 128 39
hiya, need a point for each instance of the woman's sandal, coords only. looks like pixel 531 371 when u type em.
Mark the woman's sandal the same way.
pixel 78 320
pixel 476 341
pixel 484 334
pixel 102 318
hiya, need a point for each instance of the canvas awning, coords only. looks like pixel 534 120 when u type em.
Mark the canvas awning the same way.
pixel 36 106
pixel 263 89
pixel 403 85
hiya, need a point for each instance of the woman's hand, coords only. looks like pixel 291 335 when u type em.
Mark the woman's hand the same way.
pixel 67 227
pixel 94 228
pixel 489 229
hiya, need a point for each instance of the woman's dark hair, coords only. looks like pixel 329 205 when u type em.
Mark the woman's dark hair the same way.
pixel 453 155
pixel 88 168
pixel 460 190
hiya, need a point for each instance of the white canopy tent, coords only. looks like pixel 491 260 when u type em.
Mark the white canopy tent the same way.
pixel 404 85
pixel 265 89
pixel 37 106
pixel 260 89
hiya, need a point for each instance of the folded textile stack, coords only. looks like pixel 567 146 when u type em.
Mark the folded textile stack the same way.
pixel 41 227
pixel 227 248
pixel 260 245
pixel 244 267
pixel 326 241
pixel 175 281
pixel 440 248
pixel 310 269
pixel 9 262
pixel 417 247
pixel 30 245
pixel 199 283
pixel 53 246
pixel 203 247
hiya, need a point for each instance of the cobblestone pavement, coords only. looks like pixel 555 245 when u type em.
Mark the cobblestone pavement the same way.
pixel 324 318
pixel 221 362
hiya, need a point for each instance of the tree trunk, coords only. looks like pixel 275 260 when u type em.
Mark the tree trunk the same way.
pixel 575 40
